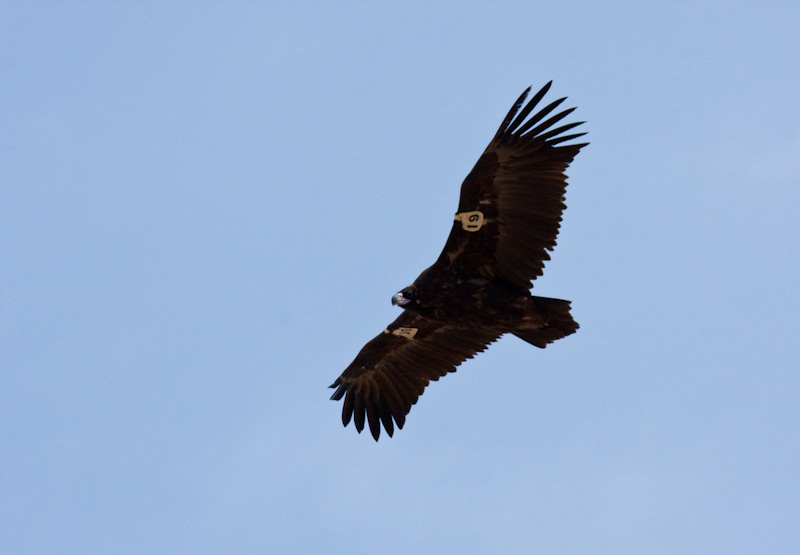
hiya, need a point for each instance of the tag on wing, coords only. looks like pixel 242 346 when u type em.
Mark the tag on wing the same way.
pixel 470 221
pixel 404 332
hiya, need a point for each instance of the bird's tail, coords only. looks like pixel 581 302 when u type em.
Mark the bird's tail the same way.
pixel 558 322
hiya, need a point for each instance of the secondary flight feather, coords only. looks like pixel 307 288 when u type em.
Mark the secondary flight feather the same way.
pixel 508 218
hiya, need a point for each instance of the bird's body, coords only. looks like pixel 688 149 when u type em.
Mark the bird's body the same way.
pixel 476 301
pixel 508 218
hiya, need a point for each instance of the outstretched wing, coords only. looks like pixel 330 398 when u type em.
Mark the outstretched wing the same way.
pixel 393 369
pixel 511 202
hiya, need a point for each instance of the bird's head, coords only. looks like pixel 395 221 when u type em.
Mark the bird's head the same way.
pixel 406 296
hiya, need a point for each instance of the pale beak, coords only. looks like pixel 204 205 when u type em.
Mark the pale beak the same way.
pixel 399 299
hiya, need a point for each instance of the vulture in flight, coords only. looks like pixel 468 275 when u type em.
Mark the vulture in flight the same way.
pixel 478 289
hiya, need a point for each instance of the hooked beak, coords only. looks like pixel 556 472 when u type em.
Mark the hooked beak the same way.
pixel 399 299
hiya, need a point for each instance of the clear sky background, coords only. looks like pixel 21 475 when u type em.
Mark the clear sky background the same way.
pixel 204 212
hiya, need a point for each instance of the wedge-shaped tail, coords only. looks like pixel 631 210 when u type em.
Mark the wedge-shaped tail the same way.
pixel 558 322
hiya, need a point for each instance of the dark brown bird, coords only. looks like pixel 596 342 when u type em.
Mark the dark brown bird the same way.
pixel 478 289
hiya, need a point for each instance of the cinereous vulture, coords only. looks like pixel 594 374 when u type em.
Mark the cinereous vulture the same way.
pixel 478 289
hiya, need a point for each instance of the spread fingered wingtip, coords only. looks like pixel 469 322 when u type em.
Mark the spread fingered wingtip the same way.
pixel 511 113
pixel 342 388
pixel 511 123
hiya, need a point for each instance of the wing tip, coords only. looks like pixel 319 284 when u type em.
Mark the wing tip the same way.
pixel 507 121
pixel 526 127
pixel 342 388
pixel 366 413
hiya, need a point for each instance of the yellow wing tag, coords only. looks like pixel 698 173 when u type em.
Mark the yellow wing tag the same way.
pixel 405 332
pixel 470 221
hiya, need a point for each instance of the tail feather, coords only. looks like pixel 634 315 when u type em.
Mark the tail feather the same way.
pixel 558 322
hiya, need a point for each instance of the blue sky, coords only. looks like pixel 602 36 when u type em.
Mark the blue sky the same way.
pixel 204 212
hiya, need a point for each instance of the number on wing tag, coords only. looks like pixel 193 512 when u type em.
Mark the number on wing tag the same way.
pixel 470 221
pixel 405 332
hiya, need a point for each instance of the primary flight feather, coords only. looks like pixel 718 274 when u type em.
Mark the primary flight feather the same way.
pixel 478 289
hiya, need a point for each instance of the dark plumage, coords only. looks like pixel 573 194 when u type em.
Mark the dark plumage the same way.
pixel 478 289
